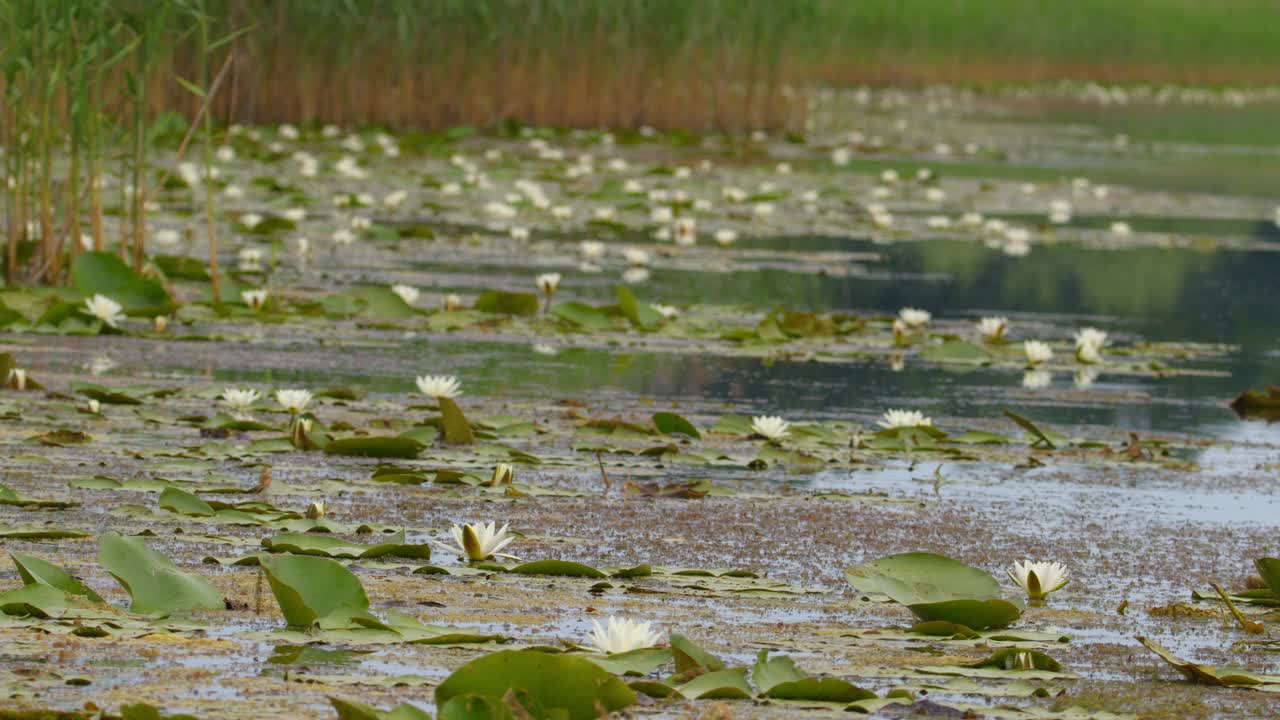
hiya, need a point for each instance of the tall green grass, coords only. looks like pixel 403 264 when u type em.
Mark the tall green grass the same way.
pixel 81 80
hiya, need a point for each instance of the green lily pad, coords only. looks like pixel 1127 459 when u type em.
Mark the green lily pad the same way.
pixel 35 571
pixel 328 546
pixel 9 496
pixel 379 446
pixel 562 568
pixel 635 662
pixel 352 710
pixel 545 685
pixel 935 587
pixel 583 315
pixel 718 685
pixel 105 273
pixel 671 423
pixel 780 678
pixel 1269 569
pixel 641 315
pixel 153 582
pixel 956 351
pixel 457 430
pixel 690 656
pixel 507 303
pixel 309 589
pixel 1210 675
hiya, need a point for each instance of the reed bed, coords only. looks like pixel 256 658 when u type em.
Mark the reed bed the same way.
pixel 82 81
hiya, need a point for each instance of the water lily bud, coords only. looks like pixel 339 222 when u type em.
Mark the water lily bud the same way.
pixel 315 510
pixel 503 474
pixel 95 407
pixel 17 379
pixel 162 324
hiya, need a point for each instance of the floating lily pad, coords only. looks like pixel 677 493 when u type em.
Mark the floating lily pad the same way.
pixel 671 423
pixel 563 568
pixel 1210 675
pixel 153 582
pixel 327 546
pixel 719 684
pixel 352 710
pixel 310 589
pixel 105 273
pixel 1263 404
pixel 779 678
pixel 35 571
pixel 381 446
pixel 507 303
pixel 545 685
pixel 935 587
pixel 8 496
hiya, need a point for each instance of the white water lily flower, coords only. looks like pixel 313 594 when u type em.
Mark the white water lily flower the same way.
pixel 636 256
pixel 451 302
pixel 621 635
pixel 1091 336
pixel 914 317
pixel 439 386
pixel 770 427
pixel 250 220
pixel 519 234
pixel 481 541
pixel 239 399
pixel 670 312
pixel 686 231
pixel 661 214
pixel 548 282
pixel 992 329
pixel 255 299
pixel 841 156
pixel 189 173
pixel 763 209
pixel 904 419
pixel 1039 579
pixel 1089 344
pixel 1060 212
pixel 295 214
pixel 294 401
pixel 726 236
pixel 225 153
pixel 407 293
pixel 1089 354
pixel 105 309
pixel 636 275
pixel 591 249
pixel 343 236
pixel 1121 229
pixel 250 259
pixel 288 132
pixel 1037 352
pixel 94 406
pixel 503 474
